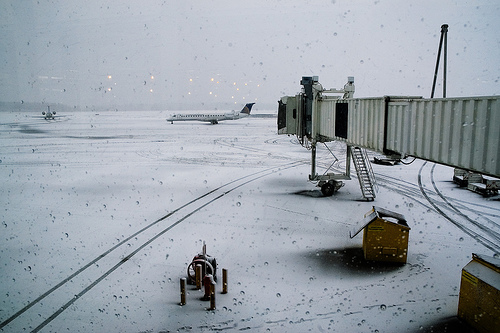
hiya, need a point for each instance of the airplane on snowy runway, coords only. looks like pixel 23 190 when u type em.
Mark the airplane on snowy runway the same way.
pixel 213 118
pixel 48 115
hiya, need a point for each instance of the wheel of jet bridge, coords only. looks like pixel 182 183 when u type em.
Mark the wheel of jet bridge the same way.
pixel 327 189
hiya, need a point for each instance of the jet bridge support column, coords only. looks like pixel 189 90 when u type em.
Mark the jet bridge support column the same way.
pixel 313 174
pixel 329 182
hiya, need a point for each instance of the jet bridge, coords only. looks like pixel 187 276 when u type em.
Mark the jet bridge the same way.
pixel 460 132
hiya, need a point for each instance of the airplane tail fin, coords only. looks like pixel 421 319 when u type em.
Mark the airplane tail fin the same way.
pixel 247 108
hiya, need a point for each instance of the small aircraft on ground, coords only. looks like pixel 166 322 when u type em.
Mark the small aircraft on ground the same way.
pixel 48 115
pixel 213 118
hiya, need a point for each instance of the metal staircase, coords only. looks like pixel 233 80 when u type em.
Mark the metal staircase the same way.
pixel 364 170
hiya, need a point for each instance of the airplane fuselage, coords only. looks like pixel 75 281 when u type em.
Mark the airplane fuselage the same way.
pixel 206 117
pixel 213 118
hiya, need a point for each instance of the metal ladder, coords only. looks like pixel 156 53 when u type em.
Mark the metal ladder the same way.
pixel 364 170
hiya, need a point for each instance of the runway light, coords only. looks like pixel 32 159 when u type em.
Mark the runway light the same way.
pixel 109 77
pixel 152 77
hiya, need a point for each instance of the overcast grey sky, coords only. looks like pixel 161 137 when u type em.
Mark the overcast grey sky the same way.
pixel 204 54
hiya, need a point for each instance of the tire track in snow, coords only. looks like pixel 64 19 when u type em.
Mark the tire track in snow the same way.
pixel 451 209
pixel 483 235
pixel 217 193
pixel 472 210
pixel 445 207
pixel 485 228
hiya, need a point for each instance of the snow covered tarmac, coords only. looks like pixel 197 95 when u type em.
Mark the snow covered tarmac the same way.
pixel 103 211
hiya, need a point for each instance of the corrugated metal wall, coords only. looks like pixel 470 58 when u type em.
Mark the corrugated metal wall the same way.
pixel 366 122
pixel 461 132
pixel 365 125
